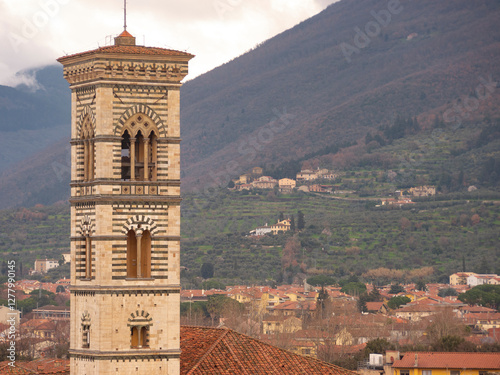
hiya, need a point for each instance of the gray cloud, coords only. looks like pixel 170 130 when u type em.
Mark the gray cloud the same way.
pixel 39 31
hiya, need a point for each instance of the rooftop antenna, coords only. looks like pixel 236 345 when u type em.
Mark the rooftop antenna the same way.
pixel 125 15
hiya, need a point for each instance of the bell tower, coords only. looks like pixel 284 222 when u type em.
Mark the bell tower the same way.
pixel 125 208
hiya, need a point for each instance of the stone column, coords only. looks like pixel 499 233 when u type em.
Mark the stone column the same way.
pixel 86 160
pixel 139 256
pixel 146 157
pixel 132 159
pixel 88 258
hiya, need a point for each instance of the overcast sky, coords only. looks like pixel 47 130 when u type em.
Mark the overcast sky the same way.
pixel 34 33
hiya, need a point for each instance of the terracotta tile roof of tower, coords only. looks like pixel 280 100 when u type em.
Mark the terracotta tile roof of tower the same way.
pixel 226 352
pixel 132 50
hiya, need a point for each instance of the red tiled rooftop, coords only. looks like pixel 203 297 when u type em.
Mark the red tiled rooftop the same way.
pixel 225 352
pixel 455 360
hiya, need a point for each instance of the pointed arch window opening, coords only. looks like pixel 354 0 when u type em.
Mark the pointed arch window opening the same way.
pixel 139 150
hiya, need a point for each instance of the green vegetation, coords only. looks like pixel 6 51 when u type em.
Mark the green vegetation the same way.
pixel 447 292
pixel 340 238
pixel 354 288
pixel 396 302
pixel 484 295
pixel 321 280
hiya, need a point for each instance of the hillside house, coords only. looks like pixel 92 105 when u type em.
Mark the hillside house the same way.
pixel 319 189
pixel 423 191
pixel 261 231
pixel 286 185
pixel 306 175
pixel 265 182
pixel 245 179
pixel 281 226
pixel 257 171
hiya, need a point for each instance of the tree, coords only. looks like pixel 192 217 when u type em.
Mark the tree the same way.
pixel 354 288
pixel 396 288
pixel 281 217
pixel 452 343
pixel 378 346
pixel 301 223
pixel 321 302
pixel 374 295
pixel 396 302
pixel 447 292
pixel 207 270
pixel 292 224
pixel 60 289
pixel 321 280
pixel 219 306
pixel 445 323
pixel 484 295
pixel 290 251
pixel 421 286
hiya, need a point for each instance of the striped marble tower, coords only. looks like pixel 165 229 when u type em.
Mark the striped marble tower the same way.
pixel 125 214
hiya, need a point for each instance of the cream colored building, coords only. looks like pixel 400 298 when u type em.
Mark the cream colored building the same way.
pixel 281 226
pixel 423 191
pixel 44 265
pixel 287 184
pixel 125 208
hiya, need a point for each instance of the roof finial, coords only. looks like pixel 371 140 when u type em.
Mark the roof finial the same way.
pixel 125 15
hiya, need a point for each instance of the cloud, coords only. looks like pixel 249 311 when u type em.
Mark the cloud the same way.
pixel 216 31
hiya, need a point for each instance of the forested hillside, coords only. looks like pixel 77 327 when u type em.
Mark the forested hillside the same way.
pixel 340 237
pixel 303 94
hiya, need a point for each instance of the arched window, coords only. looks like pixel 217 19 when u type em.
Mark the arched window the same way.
pixel 87 137
pixel 139 337
pixel 139 324
pixel 139 149
pixel 138 254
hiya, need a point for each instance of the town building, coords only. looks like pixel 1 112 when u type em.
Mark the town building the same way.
pixel 44 265
pixel 453 363
pixel 125 208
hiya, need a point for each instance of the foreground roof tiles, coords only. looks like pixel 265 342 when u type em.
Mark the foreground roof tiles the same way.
pixel 455 360
pixel 226 352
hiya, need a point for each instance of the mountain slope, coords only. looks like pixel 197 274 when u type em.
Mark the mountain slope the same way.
pixel 331 99
pixel 301 92
pixel 33 118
